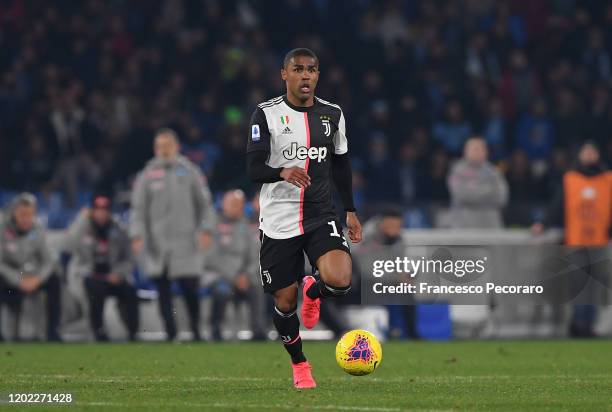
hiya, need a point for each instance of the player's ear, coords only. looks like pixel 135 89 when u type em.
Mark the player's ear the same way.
pixel 284 73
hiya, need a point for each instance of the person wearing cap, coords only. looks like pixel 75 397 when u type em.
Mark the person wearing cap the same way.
pixel 171 222
pixel 26 263
pixel 101 257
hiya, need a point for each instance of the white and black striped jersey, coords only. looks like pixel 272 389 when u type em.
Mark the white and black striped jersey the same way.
pixel 297 136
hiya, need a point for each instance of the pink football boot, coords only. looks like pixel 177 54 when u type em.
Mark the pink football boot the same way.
pixel 302 376
pixel 310 307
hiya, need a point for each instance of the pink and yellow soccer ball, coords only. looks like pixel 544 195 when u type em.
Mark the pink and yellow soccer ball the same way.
pixel 358 352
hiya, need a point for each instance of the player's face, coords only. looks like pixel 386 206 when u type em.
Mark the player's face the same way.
pixel 166 147
pixel 301 76
pixel 24 217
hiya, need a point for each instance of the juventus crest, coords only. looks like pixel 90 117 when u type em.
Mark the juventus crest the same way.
pixel 326 125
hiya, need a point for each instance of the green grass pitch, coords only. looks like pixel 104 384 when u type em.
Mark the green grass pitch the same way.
pixel 504 375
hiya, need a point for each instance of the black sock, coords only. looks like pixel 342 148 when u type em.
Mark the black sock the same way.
pixel 320 290
pixel 288 327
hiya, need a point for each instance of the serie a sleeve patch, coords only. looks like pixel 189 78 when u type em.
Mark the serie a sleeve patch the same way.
pixel 255 134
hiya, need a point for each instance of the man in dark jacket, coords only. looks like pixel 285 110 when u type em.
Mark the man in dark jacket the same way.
pixel 26 263
pixel 101 256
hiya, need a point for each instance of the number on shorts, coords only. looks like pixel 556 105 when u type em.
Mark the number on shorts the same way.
pixel 334 231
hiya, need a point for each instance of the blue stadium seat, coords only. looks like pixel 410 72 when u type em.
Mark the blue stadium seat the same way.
pixel 433 322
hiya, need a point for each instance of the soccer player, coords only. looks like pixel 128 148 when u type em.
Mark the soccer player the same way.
pixel 297 146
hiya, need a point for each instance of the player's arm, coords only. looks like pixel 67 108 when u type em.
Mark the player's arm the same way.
pixel 259 171
pixel 258 152
pixel 343 180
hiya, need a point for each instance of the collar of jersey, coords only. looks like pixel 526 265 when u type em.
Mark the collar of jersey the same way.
pixel 299 108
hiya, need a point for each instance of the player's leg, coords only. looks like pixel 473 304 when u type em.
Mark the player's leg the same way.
pixel 328 250
pixel 287 322
pixel 282 261
pixel 335 269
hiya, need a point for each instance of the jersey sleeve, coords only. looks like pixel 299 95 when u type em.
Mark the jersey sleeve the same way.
pixel 340 142
pixel 259 133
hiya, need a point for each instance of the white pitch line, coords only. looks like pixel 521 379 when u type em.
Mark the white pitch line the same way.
pixel 412 379
pixel 261 406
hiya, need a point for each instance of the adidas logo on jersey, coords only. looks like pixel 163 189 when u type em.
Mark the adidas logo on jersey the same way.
pixel 287 130
pixel 300 152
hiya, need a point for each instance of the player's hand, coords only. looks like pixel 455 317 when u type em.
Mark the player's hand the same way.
pixel 206 240
pixel 242 283
pixel 137 245
pixel 296 176
pixel 114 279
pixel 29 283
pixel 537 229
pixel 354 227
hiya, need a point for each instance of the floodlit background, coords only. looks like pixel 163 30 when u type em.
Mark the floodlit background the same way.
pixel 84 86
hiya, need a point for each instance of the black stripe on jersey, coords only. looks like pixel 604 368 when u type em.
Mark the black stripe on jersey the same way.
pixel 270 103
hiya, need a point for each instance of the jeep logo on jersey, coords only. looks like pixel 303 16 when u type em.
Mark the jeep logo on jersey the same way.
pixel 300 152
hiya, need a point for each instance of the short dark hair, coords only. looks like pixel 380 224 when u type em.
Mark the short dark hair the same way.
pixel 301 51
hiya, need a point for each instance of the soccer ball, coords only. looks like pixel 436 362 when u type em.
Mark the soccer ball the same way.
pixel 358 352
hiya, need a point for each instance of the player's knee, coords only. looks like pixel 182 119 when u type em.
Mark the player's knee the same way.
pixel 285 305
pixel 340 277
pixel 338 284
pixel 336 271
pixel 337 290
pixel 286 300
pixel 344 277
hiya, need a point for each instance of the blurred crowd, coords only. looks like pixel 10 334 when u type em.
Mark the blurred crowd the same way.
pixel 84 85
